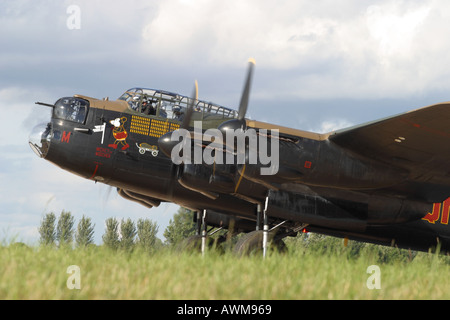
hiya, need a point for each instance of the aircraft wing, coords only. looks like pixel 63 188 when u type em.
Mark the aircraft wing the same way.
pixel 418 141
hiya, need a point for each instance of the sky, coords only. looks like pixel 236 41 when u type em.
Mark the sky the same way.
pixel 320 66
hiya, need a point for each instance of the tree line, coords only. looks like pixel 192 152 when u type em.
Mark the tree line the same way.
pixel 124 234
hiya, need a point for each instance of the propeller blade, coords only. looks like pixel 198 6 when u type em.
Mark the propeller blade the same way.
pixel 165 142
pixel 246 93
pixel 190 108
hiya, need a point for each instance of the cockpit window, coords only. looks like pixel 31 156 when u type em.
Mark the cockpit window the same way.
pixel 71 109
pixel 170 105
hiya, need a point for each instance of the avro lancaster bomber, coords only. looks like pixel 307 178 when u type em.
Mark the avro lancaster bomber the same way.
pixel 385 182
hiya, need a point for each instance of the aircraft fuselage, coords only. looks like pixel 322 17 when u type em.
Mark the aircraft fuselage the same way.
pixel 316 183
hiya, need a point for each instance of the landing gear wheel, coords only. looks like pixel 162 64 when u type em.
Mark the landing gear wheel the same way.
pixel 194 244
pixel 252 243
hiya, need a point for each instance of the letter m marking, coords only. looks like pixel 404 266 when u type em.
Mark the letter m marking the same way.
pixel 65 137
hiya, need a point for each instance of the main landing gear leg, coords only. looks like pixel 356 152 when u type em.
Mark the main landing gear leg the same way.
pixel 258 216
pixel 265 228
pixel 201 240
pixel 257 241
pixel 198 226
pixel 203 232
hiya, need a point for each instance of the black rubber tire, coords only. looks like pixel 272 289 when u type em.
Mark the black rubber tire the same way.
pixel 252 244
pixel 194 244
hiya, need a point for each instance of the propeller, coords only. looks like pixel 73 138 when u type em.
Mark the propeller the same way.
pixel 243 105
pixel 165 141
pixel 240 122
pixel 190 108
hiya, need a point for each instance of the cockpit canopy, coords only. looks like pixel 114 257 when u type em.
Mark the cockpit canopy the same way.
pixel 71 109
pixel 171 105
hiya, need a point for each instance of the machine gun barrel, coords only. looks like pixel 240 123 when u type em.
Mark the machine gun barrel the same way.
pixel 45 104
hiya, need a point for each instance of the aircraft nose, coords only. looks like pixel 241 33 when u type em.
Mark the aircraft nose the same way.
pixel 39 139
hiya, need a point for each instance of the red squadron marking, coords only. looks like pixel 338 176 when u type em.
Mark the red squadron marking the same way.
pixel 434 215
pixel 440 210
pixel 65 137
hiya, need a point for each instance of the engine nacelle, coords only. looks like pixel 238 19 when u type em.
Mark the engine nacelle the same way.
pixel 348 212
pixel 207 179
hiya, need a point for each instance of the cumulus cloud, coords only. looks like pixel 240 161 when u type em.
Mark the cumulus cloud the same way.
pixel 354 49
pixel 227 33
pixel 395 29
pixel 312 50
pixel 333 125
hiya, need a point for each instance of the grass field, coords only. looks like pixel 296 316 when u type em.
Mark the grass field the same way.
pixel 42 273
